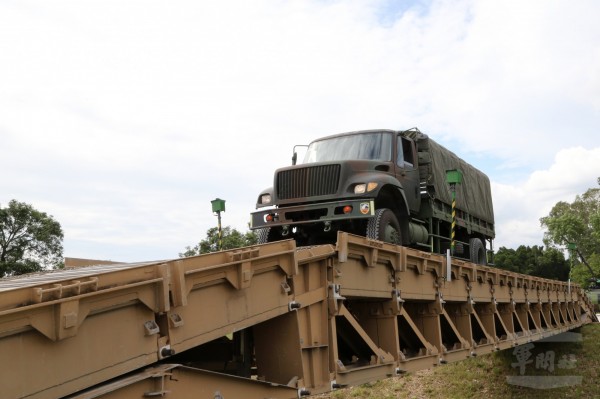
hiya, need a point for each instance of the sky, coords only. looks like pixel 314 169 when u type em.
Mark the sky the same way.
pixel 123 120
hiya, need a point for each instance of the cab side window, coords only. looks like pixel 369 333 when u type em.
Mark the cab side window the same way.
pixel 406 157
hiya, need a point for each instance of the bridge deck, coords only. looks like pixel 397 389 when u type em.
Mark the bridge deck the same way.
pixel 271 320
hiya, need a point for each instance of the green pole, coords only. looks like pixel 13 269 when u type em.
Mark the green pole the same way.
pixel 453 228
pixel 453 177
pixel 220 231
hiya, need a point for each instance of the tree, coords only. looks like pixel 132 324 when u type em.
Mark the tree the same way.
pixel 232 238
pixel 510 259
pixel 552 264
pixel 535 261
pixel 30 240
pixel 577 223
pixel 581 274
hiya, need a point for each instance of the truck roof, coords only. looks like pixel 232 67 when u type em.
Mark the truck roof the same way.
pixel 354 132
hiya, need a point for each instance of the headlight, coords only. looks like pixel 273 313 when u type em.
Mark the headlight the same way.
pixel 364 187
pixel 265 199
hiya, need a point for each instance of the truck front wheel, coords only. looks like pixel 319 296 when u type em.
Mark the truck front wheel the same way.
pixel 384 226
pixel 268 234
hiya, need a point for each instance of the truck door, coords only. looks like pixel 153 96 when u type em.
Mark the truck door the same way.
pixel 407 171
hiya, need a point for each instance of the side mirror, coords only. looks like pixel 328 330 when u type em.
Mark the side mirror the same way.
pixel 295 156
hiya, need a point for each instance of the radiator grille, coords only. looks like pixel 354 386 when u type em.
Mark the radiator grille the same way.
pixel 308 182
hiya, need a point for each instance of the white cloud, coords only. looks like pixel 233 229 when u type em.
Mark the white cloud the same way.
pixel 124 119
pixel 519 207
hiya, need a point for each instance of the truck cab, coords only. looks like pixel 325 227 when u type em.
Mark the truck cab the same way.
pixel 342 182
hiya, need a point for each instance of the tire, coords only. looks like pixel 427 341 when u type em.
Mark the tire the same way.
pixel 262 235
pixel 384 226
pixel 269 234
pixel 477 251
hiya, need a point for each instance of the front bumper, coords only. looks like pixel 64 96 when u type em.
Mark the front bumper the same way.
pixel 311 213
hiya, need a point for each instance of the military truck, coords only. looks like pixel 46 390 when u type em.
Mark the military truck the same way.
pixel 383 184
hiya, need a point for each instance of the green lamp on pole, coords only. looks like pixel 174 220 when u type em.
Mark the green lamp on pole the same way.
pixel 453 177
pixel 218 206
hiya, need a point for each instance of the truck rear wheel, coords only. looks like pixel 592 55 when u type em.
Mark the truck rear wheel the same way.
pixel 477 251
pixel 384 226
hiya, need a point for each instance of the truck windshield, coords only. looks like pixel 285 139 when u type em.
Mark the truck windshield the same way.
pixel 374 146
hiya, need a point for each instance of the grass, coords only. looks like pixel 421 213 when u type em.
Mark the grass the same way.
pixel 486 376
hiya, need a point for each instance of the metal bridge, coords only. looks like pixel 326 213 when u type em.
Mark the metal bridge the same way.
pixel 268 321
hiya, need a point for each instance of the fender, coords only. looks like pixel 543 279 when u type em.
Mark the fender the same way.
pixel 269 191
pixel 389 192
